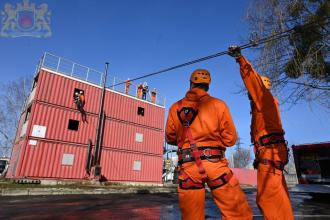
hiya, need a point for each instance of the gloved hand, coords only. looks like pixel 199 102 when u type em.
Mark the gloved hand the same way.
pixel 234 51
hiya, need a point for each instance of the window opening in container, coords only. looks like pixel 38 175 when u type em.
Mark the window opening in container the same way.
pixel 35 81
pixel 78 91
pixel 27 114
pixel 140 111
pixel 73 125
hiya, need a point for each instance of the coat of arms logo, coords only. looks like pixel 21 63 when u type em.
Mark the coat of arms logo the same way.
pixel 25 20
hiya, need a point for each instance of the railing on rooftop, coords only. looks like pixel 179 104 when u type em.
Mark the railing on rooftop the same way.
pixel 75 70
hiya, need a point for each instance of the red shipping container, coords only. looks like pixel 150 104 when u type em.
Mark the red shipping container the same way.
pixel 59 89
pixel 55 121
pixel 125 166
pixel 117 134
pixel 51 140
pixel 47 159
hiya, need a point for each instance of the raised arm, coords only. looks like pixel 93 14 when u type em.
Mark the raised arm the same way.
pixel 252 80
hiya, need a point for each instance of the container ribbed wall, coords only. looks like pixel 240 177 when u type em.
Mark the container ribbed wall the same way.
pixel 117 134
pixel 118 166
pixel 15 159
pixel 59 90
pixel 123 136
pixel 130 139
pixel 125 108
pixel 45 160
pixel 56 120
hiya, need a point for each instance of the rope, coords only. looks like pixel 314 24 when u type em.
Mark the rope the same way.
pixel 253 43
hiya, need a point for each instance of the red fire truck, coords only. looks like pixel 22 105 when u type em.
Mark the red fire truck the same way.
pixel 312 163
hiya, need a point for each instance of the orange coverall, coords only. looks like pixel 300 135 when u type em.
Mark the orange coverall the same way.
pixel 139 91
pixel 81 108
pixel 272 196
pixel 213 126
pixel 153 96
pixel 127 85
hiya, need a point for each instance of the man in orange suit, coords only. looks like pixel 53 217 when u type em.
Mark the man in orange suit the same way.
pixel 79 100
pixel 267 135
pixel 201 126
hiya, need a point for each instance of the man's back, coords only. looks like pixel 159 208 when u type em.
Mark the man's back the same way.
pixel 213 125
pixel 205 124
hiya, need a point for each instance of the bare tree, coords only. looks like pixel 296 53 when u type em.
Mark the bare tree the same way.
pixel 298 64
pixel 13 95
pixel 241 156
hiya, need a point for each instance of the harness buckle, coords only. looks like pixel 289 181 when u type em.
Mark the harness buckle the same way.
pixel 192 146
pixel 207 156
pixel 186 123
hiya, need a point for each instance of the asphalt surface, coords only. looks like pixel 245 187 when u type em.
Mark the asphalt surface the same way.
pixel 139 206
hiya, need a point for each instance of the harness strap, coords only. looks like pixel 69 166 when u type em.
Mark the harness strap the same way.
pixel 186 116
pixel 188 183
pixel 185 155
pixel 272 138
pixel 264 141
pixel 276 164
pixel 220 181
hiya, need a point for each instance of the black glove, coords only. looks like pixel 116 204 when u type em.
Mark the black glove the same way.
pixel 234 51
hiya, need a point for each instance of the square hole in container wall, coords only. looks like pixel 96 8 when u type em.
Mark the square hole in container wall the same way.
pixel 137 165
pixel 73 125
pixel 27 114
pixel 78 91
pixel 35 81
pixel 140 111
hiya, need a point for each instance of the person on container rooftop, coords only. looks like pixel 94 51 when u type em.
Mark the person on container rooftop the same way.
pixel 153 95
pixel 139 91
pixel 270 147
pixel 202 127
pixel 145 90
pixel 128 83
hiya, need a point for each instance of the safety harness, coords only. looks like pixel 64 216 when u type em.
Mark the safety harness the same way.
pixel 265 141
pixel 186 116
pixel 207 153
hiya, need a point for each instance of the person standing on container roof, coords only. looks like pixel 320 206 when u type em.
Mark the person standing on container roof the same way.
pixel 202 127
pixel 270 147
pixel 153 95
pixel 145 90
pixel 127 85
pixel 139 90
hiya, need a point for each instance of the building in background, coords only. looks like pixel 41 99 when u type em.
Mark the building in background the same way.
pixel 52 140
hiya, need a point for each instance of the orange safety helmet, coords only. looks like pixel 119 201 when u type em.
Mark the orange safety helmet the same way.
pixel 201 76
pixel 266 82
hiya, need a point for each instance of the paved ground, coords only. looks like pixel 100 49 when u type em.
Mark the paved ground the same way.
pixel 138 206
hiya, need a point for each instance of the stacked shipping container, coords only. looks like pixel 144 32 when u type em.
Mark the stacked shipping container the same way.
pixel 51 140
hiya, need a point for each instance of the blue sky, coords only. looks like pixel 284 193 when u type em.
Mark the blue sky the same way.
pixel 139 37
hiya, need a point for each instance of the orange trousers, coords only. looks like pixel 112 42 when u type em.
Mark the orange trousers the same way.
pixel 272 194
pixel 229 198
